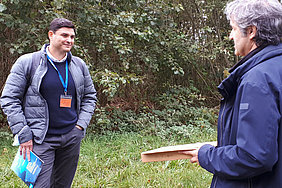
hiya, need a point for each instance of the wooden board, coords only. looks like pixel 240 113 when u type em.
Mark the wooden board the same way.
pixel 169 153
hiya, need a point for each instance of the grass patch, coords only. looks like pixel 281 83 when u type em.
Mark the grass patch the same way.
pixel 114 161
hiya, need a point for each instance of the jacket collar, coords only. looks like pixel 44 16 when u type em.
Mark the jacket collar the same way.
pixel 247 57
pixel 228 87
pixel 44 53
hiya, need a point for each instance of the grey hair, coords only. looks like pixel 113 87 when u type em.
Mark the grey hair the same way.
pixel 265 15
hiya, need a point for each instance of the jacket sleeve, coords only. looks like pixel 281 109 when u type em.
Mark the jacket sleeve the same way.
pixel 256 149
pixel 89 99
pixel 13 95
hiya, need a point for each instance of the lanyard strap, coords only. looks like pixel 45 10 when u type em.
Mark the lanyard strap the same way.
pixel 65 84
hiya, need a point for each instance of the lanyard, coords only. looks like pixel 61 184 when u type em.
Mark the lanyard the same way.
pixel 65 84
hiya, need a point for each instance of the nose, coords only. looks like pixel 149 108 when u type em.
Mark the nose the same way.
pixel 69 39
pixel 231 35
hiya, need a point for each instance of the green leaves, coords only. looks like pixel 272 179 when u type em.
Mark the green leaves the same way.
pixel 178 114
pixel 2 7
pixel 111 83
pixel 156 43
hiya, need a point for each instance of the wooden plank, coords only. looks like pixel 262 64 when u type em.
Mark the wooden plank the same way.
pixel 165 156
pixel 169 153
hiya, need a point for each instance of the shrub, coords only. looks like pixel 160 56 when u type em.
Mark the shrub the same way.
pixel 178 113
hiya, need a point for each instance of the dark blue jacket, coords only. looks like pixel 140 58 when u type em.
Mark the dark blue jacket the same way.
pixel 249 125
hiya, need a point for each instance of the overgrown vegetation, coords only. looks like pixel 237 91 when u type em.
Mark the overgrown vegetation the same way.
pixel 114 160
pixel 155 65
pixel 110 153
pixel 178 113
pixel 136 49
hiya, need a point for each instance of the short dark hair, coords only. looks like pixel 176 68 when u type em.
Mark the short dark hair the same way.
pixel 58 23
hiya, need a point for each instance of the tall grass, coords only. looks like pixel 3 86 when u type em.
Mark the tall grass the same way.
pixel 114 160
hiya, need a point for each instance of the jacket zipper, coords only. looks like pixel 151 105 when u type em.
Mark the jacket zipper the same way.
pixel 221 133
pixel 221 122
pixel 215 182
pixel 76 85
pixel 38 90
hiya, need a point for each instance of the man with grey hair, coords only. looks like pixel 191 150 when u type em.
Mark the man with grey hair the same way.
pixel 249 151
pixel 49 99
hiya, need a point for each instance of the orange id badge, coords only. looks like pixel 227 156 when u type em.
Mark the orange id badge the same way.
pixel 65 101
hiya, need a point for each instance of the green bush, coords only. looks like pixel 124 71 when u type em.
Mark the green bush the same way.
pixel 179 113
pixel 144 46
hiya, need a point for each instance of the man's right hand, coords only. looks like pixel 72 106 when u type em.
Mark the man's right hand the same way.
pixel 25 149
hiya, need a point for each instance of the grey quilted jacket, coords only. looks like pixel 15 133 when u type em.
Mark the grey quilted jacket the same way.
pixel 26 109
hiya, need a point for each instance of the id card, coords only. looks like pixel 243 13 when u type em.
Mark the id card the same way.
pixel 65 101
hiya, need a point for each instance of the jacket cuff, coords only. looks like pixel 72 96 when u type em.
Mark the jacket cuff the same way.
pixel 202 156
pixel 25 134
pixel 82 124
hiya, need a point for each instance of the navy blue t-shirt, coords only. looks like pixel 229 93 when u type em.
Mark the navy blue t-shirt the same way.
pixel 61 120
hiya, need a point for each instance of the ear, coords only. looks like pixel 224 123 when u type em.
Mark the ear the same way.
pixel 252 31
pixel 50 34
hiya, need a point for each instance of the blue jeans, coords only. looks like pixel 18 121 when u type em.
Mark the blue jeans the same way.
pixel 60 154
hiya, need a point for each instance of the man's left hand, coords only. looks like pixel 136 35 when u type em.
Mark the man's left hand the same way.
pixel 193 153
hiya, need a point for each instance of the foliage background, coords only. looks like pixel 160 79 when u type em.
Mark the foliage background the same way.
pixel 157 61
